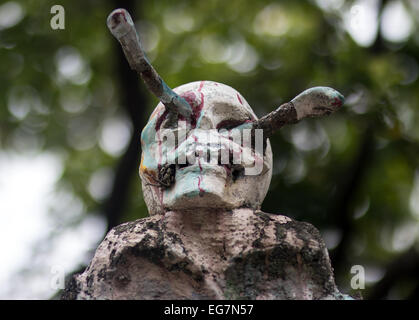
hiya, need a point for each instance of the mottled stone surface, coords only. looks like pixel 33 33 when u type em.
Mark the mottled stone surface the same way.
pixel 239 254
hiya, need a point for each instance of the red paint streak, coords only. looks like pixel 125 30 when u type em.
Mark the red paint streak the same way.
pixel 240 100
pixel 336 102
pixel 115 18
pixel 161 119
pixel 201 191
pixel 201 85
pixel 195 104
pixel 197 111
pixel 190 98
pixel 199 164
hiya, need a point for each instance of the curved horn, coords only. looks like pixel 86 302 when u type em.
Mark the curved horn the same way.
pixel 314 102
pixel 122 28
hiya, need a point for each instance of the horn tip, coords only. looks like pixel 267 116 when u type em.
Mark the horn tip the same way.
pixel 119 22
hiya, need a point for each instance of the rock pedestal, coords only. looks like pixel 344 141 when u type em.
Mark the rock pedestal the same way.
pixel 239 254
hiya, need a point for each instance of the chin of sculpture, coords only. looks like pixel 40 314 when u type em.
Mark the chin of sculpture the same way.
pixel 199 187
pixel 213 187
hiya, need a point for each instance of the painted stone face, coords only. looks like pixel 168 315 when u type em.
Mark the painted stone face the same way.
pixel 203 162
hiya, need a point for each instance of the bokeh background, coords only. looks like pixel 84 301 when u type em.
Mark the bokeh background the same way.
pixel 71 113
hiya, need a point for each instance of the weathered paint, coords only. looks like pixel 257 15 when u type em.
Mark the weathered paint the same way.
pixel 240 100
pixel 198 112
pixel 317 101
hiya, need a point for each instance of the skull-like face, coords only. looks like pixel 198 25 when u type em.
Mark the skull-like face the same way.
pixel 188 164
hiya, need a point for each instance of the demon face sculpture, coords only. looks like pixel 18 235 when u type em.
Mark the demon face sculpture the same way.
pixel 203 146
pixel 202 163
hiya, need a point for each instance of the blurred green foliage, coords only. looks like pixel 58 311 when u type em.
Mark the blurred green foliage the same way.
pixel 352 174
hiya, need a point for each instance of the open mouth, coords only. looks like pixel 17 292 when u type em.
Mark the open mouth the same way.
pixel 233 170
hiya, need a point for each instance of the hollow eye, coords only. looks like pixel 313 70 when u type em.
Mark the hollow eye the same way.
pixel 230 123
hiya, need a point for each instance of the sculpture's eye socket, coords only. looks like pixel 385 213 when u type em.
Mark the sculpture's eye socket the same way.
pixel 229 124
